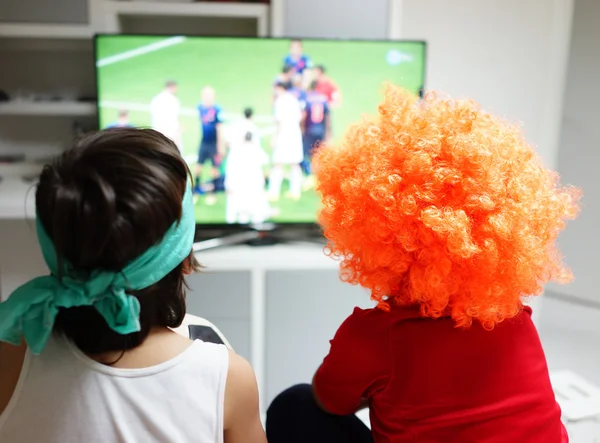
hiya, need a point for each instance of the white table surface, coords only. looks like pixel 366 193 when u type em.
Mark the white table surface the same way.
pixel 287 256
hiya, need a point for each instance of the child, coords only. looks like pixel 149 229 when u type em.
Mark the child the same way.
pixel 447 215
pixel 245 181
pixel 89 354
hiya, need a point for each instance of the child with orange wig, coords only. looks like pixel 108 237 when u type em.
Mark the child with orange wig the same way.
pixel 449 218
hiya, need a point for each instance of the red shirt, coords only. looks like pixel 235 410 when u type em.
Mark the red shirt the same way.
pixel 327 88
pixel 429 382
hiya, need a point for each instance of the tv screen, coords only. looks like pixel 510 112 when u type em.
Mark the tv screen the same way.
pixel 248 113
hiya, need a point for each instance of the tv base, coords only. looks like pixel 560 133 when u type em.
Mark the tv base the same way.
pixel 227 240
pixel 259 238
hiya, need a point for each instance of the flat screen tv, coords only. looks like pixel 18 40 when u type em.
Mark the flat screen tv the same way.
pixel 247 113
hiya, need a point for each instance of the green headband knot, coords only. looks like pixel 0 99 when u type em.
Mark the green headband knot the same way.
pixel 31 309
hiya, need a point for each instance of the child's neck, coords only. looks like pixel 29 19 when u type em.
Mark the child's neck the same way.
pixel 161 345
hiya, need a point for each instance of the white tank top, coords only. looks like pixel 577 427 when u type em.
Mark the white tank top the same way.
pixel 63 396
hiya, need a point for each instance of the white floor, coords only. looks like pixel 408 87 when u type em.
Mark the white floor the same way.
pixel 570 335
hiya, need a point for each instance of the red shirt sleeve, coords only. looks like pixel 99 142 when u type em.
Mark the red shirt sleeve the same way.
pixel 358 364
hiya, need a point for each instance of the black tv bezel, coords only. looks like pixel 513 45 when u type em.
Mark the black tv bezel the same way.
pixel 237 227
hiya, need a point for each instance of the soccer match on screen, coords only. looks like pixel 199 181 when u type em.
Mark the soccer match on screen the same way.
pixel 248 114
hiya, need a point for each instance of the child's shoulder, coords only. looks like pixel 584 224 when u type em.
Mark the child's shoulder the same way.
pixel 393 313
pixel 377 320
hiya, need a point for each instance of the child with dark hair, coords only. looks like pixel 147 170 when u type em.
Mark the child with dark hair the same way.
pixel 87 353
pixel 450 219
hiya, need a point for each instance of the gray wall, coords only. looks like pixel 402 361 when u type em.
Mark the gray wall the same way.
pixel 579 155
pixel 20 255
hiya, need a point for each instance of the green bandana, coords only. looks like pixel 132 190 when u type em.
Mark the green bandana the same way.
pixel 31 309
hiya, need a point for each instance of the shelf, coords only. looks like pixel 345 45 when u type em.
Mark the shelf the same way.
pixel 14 171
pixel 34 30
pixel 17 199
pixel 207 9
pixel 24 108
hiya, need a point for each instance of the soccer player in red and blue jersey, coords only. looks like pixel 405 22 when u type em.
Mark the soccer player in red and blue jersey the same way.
pixel 296 58
pixel 210 146
pixel 122 120
pixel 327 87
pixel 298 90
pixel 317 124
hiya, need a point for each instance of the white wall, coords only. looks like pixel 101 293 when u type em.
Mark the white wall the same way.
pixel 510 56
pixel 504 54
pixel 579 155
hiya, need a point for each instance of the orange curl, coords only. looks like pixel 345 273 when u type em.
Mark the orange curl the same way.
pixel 440 204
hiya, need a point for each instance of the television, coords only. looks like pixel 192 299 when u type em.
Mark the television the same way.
pixel 248 113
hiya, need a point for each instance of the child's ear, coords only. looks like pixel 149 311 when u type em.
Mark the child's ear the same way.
pixel 187 266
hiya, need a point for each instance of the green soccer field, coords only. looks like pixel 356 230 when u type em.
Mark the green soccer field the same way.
pixel 133 69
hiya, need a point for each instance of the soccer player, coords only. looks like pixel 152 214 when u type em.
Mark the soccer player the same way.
pixel 288 149
pixel 298 90
pixel 296 58
pixel 327 87
pixel 211 149
pixel 164 113
pixel 285 76
pixel 122 120
pixel 245 180
pixel 316 127
pixel 247 125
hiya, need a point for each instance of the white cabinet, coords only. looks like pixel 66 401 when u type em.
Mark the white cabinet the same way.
pixel 277 305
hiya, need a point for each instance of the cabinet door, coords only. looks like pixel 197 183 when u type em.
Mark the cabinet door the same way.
pixel 304 309
pixel 223 298
pixel 177 25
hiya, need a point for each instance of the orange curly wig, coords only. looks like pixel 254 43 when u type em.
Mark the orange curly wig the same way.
pixel 440 204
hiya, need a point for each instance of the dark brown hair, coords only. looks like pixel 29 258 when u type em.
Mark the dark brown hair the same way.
pixel 103 203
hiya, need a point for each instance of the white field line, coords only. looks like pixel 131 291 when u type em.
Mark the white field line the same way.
pixel 187 112
pixel 139 51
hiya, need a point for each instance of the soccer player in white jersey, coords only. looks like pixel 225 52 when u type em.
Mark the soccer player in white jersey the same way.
pixel 245 182
pixel 244 174
pixel 287 149
pixel 165 108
